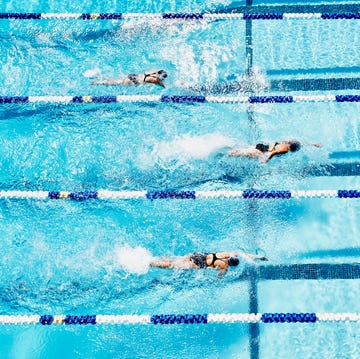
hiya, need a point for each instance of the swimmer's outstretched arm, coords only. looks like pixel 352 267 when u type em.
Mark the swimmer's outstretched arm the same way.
pixel 273 153
pixel 318 145
pixel 256 256
pixel 109 82
pixel 248 255
pixel 154 81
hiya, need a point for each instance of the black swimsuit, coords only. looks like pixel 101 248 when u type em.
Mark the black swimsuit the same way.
pixel 200 259
pixel 135 79
pixel 215 258
pixel 262 148
pixel 266 148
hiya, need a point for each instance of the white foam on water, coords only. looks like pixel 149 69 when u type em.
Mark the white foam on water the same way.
pixel 95 72
pixel 133 260
pixel 184 149
pixel 192 147
pixel 259 77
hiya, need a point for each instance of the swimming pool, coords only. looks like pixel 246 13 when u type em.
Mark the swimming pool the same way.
pixel 66 257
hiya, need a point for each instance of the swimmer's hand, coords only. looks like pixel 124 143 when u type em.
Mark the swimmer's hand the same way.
pixel 260 258
pixel 267 158
pixel 221 273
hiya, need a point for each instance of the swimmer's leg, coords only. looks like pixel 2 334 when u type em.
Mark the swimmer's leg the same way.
pixel 163 263
pixel 247 152
pixel 109 82
pixel 221 152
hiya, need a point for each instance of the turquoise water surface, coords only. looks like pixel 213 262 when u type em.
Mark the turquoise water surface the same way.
pixel 68 257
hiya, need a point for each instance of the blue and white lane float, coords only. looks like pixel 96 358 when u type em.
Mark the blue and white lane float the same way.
pixel 181 16
pixel 177 99
pixel 173 195
pixel 162 319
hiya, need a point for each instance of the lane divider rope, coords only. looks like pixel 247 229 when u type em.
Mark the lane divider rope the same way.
pixel 62 319
pixel 180 16
pixel 178 99
pixel 171 194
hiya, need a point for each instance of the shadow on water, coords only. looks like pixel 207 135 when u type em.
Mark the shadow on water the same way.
pixel 69 294
pixel 220 175
pixel 323 253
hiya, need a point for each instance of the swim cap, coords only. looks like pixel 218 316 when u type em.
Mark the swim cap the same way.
pixel 295 146
pixel 233 261
pixel 162 73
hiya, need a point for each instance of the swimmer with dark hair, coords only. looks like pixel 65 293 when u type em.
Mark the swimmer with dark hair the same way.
pixel 219 260
pixel 269 151
pixel 155 77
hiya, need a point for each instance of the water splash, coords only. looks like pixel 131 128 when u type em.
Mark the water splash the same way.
pixel 93 73
pixel 188 147
pixel 134 260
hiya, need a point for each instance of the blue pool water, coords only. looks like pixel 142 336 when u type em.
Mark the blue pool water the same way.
pixel 67 257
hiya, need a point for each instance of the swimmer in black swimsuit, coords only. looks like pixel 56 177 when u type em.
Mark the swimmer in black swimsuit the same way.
pixel 154 77
pixel 219 260
pixel 267 152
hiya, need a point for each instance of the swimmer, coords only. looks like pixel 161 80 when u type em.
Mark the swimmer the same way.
pixel 154 77
pixel 219 260
pixel 269 151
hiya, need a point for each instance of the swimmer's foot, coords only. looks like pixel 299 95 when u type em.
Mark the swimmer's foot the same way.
pixel 222 152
